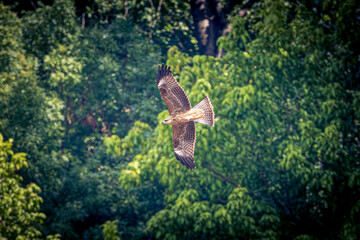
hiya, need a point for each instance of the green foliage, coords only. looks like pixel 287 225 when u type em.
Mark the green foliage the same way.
pixel 117 65
pixel 61 92
pixel 285 132
pixel 78 95
pixel 166 23
pixel 134 140
pixel 24 107
pixel 19 206
pixel 10 35
pixel 110 230
pixel 48 26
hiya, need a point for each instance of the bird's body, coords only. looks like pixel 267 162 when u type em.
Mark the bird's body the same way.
pixel 188 116
pixel 182 115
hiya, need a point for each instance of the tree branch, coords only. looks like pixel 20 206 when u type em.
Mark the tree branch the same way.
pixel 152 4
pixel 83 22
pixel 157 14
pixel 159 6
pixel 223 177
pixel 126 9
pixel 32 4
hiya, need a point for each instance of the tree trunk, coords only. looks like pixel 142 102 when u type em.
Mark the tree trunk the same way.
pixel 210 22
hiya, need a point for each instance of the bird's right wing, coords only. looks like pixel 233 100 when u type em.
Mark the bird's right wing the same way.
pixel 171 92
pixel 184 138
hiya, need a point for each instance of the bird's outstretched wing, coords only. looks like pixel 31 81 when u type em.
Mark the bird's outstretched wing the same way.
pixel 171 92
pixel 184 138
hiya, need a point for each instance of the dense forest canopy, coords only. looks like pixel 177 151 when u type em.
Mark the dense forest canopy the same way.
pixel 83 153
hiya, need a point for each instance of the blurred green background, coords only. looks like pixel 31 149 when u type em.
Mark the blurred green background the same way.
pixel 83 154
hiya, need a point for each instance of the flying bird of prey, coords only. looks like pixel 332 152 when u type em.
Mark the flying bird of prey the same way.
pixel 182 115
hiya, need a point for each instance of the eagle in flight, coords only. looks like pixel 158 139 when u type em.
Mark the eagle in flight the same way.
pixel 182 115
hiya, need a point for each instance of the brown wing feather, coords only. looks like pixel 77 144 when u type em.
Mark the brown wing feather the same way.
pixel 184 138
pixel 171 92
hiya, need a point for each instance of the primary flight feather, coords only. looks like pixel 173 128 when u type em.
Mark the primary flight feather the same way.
pixel 182 115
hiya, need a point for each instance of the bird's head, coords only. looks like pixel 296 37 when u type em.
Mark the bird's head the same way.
pixel 167 121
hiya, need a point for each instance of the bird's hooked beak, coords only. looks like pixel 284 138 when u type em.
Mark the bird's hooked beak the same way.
pixel 165 121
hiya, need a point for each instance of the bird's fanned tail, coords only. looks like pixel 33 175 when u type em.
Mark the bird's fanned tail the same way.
pixel 208 109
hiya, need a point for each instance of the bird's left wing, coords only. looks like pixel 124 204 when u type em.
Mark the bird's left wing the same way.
pixel 184 138
pixel 171 92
